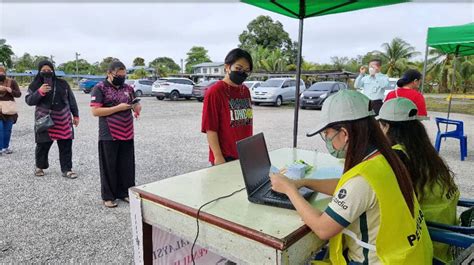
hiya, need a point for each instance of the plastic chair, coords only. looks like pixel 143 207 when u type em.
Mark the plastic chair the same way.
pixel 461 237
pixel 458 133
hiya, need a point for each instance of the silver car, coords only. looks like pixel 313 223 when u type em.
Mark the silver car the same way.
pixel 141 87
pixel 252 84
pixel 276 91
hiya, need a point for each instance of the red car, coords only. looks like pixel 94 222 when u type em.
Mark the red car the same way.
pixel 199 90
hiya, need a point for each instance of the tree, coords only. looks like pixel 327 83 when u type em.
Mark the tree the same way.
pixel 196 55
pixel 138 61
pixel 6 53
pixel 164 66
pixel 139 74
pixel 394 54
pixel 269 34
pixel 339 62
pixel 104 65
pixel 84 67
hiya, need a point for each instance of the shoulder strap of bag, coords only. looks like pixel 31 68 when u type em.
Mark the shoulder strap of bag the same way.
pixel 54 95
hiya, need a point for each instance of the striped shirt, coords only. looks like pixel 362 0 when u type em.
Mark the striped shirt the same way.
pixel 118 126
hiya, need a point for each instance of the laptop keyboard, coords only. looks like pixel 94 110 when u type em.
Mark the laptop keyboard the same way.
pixel 276 195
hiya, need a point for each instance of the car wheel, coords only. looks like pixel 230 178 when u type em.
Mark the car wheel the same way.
pixel 278 101
pixel 303 107
pixel 174 95
pixel 138 93
pixel 200 99
pixel 160 98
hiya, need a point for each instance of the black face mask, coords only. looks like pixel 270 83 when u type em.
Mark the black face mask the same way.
pixel 2 78
pixel 237 77
pixel 46 74
pixel 118 80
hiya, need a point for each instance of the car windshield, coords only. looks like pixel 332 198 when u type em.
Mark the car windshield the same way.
pixel 321 87
pixel 391 85
pixel 130 82
pixel 272 83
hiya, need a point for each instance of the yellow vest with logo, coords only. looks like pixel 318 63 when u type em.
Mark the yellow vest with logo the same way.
pixel 401 239
pixel 438 206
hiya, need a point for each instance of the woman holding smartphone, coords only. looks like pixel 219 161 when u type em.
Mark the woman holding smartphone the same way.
pixel 113 102
pixel 53 96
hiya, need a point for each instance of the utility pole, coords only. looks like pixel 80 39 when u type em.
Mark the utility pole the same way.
pixel 182 66
pixel 77 68
pixel 52 61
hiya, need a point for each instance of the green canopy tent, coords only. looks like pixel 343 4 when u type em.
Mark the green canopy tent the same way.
pixel 457 40
pixel 302 9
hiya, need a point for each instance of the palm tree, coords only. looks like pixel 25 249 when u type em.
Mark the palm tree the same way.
pixel 438 67
pixel 394 54
pixel 6 53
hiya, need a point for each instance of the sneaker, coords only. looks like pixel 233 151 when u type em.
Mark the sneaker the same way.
pixel 7 151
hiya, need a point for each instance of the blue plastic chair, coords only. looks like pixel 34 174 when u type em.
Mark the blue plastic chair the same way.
pixel 451 238
pixel 458 133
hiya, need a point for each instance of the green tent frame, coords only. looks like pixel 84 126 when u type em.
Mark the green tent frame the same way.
pixel 302 9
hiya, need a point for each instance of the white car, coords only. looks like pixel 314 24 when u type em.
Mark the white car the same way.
pixel 252 84
pixel 276 91
pixel 173 88
pixel 141 87
pixel 392 85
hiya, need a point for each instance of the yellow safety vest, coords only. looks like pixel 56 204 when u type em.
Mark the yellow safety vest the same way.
pixel 438 206
pixel 401 239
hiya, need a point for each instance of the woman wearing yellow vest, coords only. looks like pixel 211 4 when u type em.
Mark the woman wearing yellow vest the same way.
pixel 374 217
pixel 431 177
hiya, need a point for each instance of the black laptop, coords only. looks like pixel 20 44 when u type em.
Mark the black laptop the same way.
pixel 255 164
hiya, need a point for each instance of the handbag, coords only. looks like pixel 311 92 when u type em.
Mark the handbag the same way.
pixel 44 123
pixel 8 107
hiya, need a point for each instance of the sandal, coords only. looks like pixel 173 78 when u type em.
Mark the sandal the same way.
pixel 110 204
pixel 69 175
pixel 39 172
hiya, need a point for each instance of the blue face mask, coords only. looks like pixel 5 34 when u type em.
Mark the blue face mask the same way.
pixel 333 151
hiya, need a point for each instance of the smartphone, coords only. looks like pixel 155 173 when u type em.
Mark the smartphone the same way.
pixel 48 81
pixel 135 101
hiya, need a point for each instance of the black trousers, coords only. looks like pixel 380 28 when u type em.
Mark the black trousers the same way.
pixel 376 105
pixel 65 154
pixel 117 168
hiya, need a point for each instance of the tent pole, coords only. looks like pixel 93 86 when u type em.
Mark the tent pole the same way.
pixel 452 85
pixel 298 77
pixel 425 65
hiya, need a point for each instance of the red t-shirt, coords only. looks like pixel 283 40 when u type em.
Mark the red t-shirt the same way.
pixel 227 110
pixel 412 95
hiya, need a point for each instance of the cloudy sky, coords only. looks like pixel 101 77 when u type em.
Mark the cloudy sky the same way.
pixel 150 30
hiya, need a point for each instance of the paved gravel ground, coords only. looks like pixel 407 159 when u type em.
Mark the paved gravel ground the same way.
pixel 57 220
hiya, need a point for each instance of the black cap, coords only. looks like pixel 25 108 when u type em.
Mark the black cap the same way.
pixel 116 65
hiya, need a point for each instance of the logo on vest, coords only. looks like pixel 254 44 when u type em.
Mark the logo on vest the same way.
pixel 342 194
pixel 419 225
pixel 340 203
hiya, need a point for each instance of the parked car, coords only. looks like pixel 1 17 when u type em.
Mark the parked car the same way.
pixel 252 84
pixel 86 85
pixel 199 90
pixel 316 94
pixel 141 87
pixel 173 88
pixel 392 85
pixel 276 91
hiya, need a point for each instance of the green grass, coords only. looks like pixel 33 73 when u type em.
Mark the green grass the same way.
pixel 457 105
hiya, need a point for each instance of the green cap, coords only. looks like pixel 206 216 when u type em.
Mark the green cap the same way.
pixel 345 105
pixel 398 109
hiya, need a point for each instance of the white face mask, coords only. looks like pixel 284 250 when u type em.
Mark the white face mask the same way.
pixel 372 71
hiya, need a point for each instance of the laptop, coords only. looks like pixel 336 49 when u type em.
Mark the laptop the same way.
pixel 255 164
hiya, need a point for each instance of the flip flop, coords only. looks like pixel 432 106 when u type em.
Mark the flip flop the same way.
pixel 110 204
pixel 69 175
pixel 39 172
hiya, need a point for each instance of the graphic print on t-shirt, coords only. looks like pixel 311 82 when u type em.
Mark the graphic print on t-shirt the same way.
pixel 240 112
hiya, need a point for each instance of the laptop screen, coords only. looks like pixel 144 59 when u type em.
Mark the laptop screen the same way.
pixel 254 161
